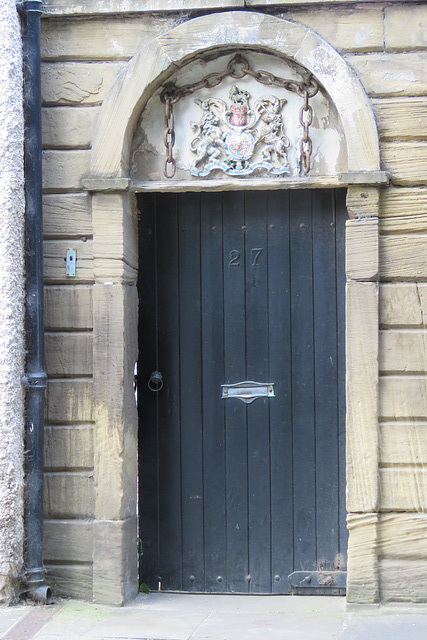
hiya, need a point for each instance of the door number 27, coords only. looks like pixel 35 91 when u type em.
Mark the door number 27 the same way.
pixel 235 257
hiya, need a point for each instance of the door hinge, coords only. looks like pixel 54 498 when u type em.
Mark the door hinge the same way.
pixel 307 582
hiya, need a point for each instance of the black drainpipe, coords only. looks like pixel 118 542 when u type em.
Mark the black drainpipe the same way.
pixel 35 376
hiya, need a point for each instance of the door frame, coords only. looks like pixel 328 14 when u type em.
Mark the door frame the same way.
pixel 114 216
pixel 171 214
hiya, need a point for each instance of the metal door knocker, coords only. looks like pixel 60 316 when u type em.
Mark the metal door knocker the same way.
pixel 155 382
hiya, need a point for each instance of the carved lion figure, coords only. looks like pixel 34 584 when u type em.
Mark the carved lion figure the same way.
pixel 209 143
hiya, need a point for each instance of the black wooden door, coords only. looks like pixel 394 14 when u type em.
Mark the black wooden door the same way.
pixel 241 286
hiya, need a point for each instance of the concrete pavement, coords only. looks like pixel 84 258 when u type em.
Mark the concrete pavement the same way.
pixel 165 616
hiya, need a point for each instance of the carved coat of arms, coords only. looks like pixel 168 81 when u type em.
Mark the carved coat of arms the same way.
pixel 239 139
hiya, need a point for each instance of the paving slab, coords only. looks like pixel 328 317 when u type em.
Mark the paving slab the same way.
pixel 306 605
pixel 161 616
pixel 29 620
pixel 75 619
pixel 389 622
pixel 166 616
pixel 273 626
pixel 9 617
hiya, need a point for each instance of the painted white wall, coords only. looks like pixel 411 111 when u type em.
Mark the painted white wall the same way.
pixel 12 208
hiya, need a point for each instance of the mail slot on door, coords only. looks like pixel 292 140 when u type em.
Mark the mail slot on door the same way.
pixel 248 391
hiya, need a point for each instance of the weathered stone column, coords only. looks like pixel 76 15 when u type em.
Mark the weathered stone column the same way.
pixel 12 302
pixel 115 350
pixel 362 324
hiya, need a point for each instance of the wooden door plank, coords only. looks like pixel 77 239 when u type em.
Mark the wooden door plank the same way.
pixel 170 518
pixel 341 216
pixel 190 357
pixel 213 406
pixel 257 350
pixel 235 410
pixel 147 362
pixel 325 377
pixel 302 381
pixel 280 374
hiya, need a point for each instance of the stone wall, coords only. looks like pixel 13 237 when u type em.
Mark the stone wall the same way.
pixel 83 49
pixel 12 303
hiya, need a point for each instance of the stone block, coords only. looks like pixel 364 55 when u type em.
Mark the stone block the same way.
pixel 362 574
pixel 67 540
pixel 403 257
pixel 405 27
pixel 69 447
pixel 110 37
pixel 403 304
pixel 115 222
pixel 402 535
pixel 68 127
pixel 67 215
pixel 403 580
pixel 68 307
pixel 68 495
pixel 345 29
pixel 115 580
pixel 71 581
pixel 115 354
pixel 403 397
pixel 403 443
pixel 362 399
pixel 403 210
pixel 392 74
pixel 403 202
pixel 78 7
pixel 69 401
pixel 362 249
pixel 401 118
pixel 362 201
pixel 64 170
pixel 69 354
pixel 405 224
pixel 77 83
pixel 403 351
pixel 406 161
pixel 403 488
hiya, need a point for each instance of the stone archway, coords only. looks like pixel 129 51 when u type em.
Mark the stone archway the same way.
pixel 158 59
pixel 115 300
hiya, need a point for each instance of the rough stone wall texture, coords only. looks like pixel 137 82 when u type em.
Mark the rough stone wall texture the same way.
pixel 82 55
pixel 12 302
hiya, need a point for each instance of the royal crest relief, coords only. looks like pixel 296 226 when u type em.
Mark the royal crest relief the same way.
pixel 238 139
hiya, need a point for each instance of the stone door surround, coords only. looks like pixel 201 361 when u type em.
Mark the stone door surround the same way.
pixel 116 263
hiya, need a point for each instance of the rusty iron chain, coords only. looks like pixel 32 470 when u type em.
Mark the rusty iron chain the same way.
pixel 306 144
pixel 171 94
pixel 169 140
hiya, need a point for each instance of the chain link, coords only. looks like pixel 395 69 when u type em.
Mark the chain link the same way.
pixel 306 144
pixel 306 89
pixel 169 140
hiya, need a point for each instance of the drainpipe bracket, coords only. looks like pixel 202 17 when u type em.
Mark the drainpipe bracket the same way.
pixel 34 577
pixel 35 380
pixel 29 6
